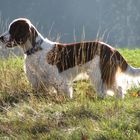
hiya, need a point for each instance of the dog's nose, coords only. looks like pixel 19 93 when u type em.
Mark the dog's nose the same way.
pixel 2 38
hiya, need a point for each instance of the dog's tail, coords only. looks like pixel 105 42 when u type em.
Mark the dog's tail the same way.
pixel 133 75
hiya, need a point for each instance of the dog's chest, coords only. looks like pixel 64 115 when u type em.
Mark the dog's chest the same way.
pixel 35 64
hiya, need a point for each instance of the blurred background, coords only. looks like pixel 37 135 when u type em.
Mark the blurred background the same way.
pixel 116 22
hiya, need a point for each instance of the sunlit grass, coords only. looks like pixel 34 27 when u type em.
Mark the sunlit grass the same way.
pixel 26 115
pixel 132 56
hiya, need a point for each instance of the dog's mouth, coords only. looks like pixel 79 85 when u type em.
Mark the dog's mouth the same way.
pixel 10 44
pixel 7 41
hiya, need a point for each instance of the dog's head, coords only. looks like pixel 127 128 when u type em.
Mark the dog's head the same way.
pixel 19 31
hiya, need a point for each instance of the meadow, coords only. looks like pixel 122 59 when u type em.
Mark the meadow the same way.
pixel 25 115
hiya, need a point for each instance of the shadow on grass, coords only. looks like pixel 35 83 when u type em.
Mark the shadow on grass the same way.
pixel 11 99
pixel 40 129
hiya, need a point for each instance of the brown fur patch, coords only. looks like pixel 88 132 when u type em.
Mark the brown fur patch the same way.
pixel 19 31
pixel 66 56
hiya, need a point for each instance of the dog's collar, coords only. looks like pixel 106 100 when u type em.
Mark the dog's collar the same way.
pixel 35 48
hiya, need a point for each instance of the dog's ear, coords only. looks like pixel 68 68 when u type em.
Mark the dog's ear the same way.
pixel 19 31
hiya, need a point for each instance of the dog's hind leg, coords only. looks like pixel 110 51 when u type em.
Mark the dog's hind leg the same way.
pixel 119 92
pixel 97 83
pixel 95 77
pixel 98 86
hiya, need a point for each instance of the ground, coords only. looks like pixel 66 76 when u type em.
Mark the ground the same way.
pixel 26 115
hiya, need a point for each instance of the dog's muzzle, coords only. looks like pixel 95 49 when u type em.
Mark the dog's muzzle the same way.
pixel 2 38
pixel 5 37
pixel 6 41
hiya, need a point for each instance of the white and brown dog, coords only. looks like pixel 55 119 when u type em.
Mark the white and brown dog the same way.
pixel 54 64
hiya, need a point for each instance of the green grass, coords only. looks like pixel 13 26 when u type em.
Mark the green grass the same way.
pixel 25 115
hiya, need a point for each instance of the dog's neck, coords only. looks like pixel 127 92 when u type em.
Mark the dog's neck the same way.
pixel 31 48
pixel 34 43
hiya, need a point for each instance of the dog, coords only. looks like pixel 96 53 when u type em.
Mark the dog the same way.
pixel 58 65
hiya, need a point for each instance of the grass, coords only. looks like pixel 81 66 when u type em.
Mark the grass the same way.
pixel 25 115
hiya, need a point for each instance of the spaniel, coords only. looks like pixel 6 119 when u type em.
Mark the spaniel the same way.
pixel 58 65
